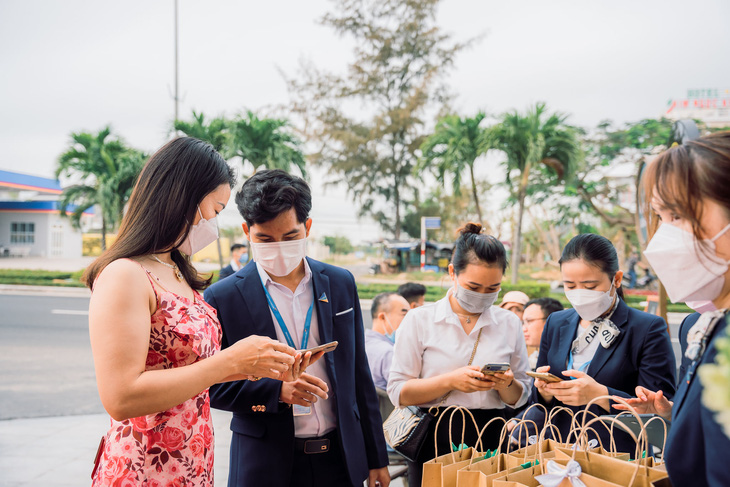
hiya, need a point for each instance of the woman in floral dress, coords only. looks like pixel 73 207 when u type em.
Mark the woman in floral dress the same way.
pixel 156 343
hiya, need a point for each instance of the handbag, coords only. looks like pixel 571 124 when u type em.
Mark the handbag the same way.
pixel 405 429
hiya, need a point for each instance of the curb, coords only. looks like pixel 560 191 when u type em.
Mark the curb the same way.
pixel 22 290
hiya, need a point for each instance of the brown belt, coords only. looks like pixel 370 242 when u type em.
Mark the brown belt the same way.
pixel 319 444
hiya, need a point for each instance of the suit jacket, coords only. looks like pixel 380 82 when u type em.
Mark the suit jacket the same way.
pixel 697 447
pixel 687 323
pixel 641 355
pixel 225 272
pixel 262 447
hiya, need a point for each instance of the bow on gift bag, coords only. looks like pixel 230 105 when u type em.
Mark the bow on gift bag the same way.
pixel 556 475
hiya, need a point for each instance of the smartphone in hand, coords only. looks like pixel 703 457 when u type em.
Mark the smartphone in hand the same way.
pixel 546 376
pixel 491 369
pixel 327 347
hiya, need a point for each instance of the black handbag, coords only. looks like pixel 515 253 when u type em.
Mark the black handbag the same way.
pixel 406 428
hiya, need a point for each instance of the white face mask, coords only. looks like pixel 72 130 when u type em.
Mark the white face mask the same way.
pixel 701 306
pixel 472 301
pixel 687 272
pixel 279 258
pixel 590 304
pixel 202 234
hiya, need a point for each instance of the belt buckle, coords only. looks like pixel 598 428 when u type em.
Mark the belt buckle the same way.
pixel 312 447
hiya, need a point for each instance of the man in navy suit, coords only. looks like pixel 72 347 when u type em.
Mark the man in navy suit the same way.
pixel 325 428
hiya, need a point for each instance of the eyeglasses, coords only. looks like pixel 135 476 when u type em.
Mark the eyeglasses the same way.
pixel 527 322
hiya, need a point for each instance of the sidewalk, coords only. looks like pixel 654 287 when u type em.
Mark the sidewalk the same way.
pixel 59 451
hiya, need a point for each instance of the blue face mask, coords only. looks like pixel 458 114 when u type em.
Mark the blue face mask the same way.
pixel 243 259
pixel 390 336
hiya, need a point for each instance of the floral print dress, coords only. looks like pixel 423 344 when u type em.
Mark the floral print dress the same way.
pixel 175 447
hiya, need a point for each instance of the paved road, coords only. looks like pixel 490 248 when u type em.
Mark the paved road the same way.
pixel 46 363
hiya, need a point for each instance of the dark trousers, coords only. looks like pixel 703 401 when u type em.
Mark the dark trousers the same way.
pixel 316 469
pixel 490 439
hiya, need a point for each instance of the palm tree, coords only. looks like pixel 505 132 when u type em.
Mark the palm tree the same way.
pixel 106 170
pixel 534 142
pixel 453 147
pixel 266 143
pixel 215 132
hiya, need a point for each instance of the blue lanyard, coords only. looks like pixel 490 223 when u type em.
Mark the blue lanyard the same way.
pixel 280 320
pixel 582 368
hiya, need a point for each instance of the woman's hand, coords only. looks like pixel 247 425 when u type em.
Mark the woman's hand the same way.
pixel 648 402
pixel 500 381
pixel 468 379
pixel 258 356
pixel 578 392
pixel 540 384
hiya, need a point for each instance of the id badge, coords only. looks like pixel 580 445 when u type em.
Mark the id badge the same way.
pixel 301 410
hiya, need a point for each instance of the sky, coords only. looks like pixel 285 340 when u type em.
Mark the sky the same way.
pixel 76 65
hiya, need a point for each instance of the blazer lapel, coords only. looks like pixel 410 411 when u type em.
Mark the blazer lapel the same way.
pixel 620 319
pixel 567 335
pixel 252 293
pixel 322 301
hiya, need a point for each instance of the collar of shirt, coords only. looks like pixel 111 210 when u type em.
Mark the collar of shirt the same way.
pixel 266 279
pixel 444 314
pixel 236 266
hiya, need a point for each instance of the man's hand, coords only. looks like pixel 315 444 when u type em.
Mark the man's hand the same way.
pixel 648 402
pixel 379 477
pixel 578 392
pixel 304 391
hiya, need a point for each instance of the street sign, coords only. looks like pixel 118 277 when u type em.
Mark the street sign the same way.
pixel 432 222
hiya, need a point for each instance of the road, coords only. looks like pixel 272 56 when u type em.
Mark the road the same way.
pixel 47 368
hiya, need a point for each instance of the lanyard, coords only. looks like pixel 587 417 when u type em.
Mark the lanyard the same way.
pixel 582 368
pixel 280 320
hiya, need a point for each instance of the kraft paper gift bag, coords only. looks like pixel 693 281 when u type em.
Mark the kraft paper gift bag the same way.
pixel 441 470
pixel 483 472
pixel 621 472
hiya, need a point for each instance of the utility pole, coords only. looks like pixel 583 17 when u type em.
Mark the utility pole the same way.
pixel 177 95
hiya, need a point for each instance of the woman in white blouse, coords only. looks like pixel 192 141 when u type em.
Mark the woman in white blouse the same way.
pixel 435 343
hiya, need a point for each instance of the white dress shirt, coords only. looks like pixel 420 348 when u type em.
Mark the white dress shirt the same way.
pixel 431 341
pixel 236 266
pixel 293 308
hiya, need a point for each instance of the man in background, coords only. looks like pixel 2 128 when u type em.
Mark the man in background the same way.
pixel 387 311
pixel 533 322
pixel 238 260
pixel 414 293
pixel 515 301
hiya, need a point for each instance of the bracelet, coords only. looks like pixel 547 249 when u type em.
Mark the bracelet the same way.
pixel 510 384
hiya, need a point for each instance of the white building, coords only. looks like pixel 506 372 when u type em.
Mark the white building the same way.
pixel 30 222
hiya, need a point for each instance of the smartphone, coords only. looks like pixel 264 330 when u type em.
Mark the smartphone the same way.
pixel 491 369
pixel 327 347
pixel 546 376
pixel 654 431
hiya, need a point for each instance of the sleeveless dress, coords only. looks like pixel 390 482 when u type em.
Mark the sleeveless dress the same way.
pixel 174 447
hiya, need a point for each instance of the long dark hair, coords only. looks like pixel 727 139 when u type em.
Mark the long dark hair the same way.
pixel 164 203
pixel 474 247
pixel 595 250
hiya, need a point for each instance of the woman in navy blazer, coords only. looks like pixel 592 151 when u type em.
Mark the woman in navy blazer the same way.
pixel 601 346
pixel 687 188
